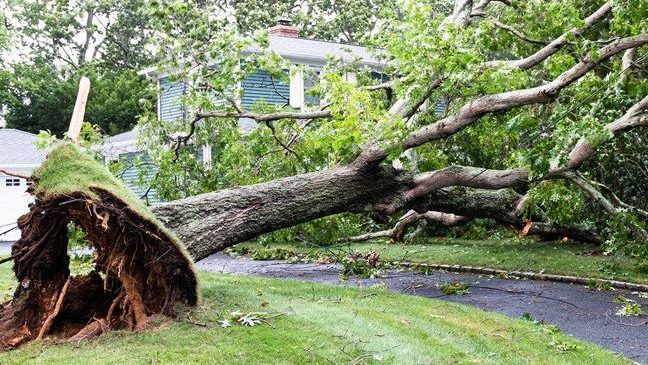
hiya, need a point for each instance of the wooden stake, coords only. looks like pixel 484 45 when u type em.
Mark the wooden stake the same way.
pixel 74 133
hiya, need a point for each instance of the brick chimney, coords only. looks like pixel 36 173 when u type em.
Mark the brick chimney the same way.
pixel 284 29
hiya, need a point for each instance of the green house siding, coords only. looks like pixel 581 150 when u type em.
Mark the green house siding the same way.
pixel 258 86
pixel 170 99
pixel 132 171
pixel 261 85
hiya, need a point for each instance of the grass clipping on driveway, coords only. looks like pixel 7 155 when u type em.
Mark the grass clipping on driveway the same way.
pixel 141 270
pixel 322 324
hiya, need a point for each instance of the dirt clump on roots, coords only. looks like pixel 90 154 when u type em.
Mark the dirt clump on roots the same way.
pixel 140 272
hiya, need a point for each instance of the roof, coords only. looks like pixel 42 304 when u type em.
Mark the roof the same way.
pixel 123 137
pixel 304 50
pixel 18 148
pixel 295 48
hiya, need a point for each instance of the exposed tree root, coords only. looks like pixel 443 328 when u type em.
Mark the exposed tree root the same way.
pixel 92 330
pixel 57 308
pixel 140 272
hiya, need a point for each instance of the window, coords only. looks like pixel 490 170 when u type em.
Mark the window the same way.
pixel 303 79
pixel 29 182
pixel 12 182
pixel 311 80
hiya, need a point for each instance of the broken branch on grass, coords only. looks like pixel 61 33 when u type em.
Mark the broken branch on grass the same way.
pixel 15 174
pixel 397 233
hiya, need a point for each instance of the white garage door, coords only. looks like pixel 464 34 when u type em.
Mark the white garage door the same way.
pixel 14 202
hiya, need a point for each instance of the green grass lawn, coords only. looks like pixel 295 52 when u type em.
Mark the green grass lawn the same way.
pixel 319 324
pixel 549 257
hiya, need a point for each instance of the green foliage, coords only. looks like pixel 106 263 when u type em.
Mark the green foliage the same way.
pixel 559 201
pixel 322 232
pixel 454 288
pixel 80 251
pixel 58 42
pixel 528 317
pixel 276 253
pixel 77 238
pixel 480 229
pixel 620 238
pixel 598 285
pixel 365 265
pixel 629 308
pixel 562 346
pixel 347 20
pixel 110 33
pixel 250 319
pixel 6 292
pixel 42 98
pixel 4 32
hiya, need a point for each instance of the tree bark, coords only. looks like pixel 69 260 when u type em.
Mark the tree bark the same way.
pixel 210 222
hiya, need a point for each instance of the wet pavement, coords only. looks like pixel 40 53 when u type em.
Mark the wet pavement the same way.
pixel 578 311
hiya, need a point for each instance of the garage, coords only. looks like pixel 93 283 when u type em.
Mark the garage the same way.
pixel 18 154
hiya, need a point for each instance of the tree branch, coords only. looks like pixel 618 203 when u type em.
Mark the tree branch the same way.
pixel 519 34
pixel 259 118
pixel 397 233
pixel 469 177
pixel 381 86
pixel 602 201
pixel 554 46
pixel 501 205
pixel 546 93
pixel 15 174
pixel 631 119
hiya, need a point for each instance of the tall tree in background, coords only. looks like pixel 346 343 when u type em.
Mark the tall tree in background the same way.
pixel 351 21
pixel 57 42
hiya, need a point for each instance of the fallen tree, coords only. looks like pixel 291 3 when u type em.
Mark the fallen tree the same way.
pixel 141 269
pixel 374 181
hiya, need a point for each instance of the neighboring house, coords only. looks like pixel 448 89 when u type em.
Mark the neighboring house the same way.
pixel 19 155
pixel 285 41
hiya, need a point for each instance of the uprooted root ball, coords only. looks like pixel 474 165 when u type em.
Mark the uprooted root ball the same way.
pixel 140 271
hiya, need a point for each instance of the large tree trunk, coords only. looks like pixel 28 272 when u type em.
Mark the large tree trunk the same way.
pixel 210 222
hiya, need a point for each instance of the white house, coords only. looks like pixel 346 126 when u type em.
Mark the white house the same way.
pixel 17 154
